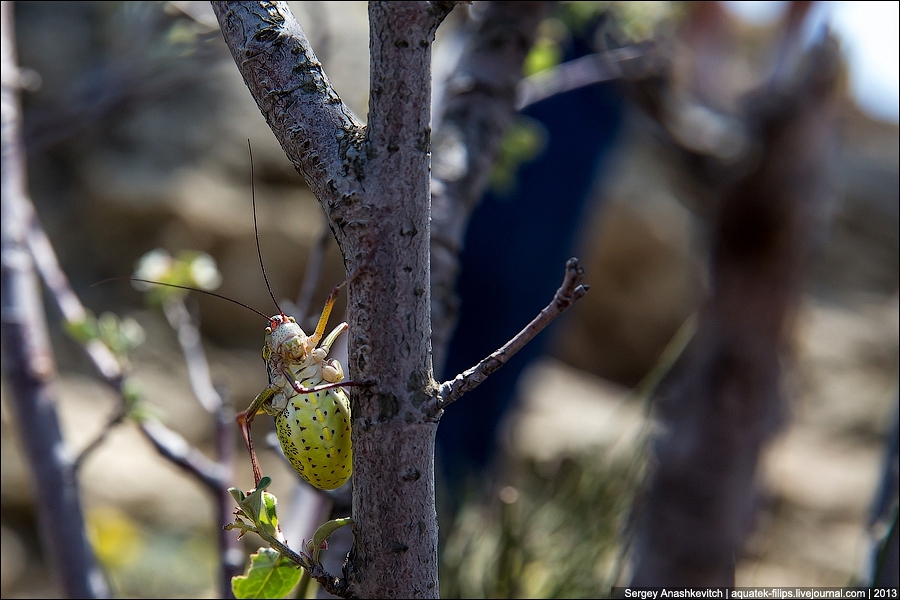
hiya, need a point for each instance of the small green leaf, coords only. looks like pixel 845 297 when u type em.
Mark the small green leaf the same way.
pixel 259 506
pixel 252 502
pixel 267 517
pixel 237 494
pixel 269 576
pixel 322 533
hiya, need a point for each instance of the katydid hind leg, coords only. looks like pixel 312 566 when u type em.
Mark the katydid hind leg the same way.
pixel 244 420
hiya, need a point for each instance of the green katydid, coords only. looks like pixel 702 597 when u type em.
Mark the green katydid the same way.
pixel 304 395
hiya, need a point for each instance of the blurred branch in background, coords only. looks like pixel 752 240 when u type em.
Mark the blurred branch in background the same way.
pixel 214 475
pixel 725 400
pixel 24 238
pixel 635 61
pixel 28 358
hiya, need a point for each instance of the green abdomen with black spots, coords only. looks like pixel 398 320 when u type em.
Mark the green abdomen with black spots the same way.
pixel 314 431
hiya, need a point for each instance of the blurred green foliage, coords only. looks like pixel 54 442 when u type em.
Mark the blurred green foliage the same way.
pixel 558 531
pixel 523 141
pixel 151 561
pixel 189 269
pixel 119 335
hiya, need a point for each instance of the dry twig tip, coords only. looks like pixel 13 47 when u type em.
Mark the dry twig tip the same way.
pixel 568 293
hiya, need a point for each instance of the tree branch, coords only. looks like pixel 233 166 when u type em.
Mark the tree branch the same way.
pixel 28 358
pixel 636 61
pixel 108 366
pixel 168 443
pixel 194 356
pixel 318 132
pixel 568 293
pixel 117 417
pixel 178 451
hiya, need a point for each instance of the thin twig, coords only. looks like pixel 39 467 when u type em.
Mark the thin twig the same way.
pixel 117 417
pixel 335 586
pixel 477 106
pixel 74 312
pixel 107 364
pixel 176 449
pixel 194 356
pixel 169 444
pixel 67 301
pixel 568 293
pixel 587 70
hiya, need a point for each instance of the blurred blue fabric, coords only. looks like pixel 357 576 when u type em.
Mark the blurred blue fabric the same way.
pixel 513 262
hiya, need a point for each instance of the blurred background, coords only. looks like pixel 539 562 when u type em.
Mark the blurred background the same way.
pixel 135 123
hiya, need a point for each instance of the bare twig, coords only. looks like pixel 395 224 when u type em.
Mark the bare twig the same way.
pixel 194 356
pixel 568 293
pixel 117 417
pixel 335 586
pixel 108 366
pixel 66 300
pixel 630 61
pixel 177 450
pixel 74 312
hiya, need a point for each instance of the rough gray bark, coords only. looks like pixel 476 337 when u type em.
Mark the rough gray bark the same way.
pixel 395 553
pixel 28 361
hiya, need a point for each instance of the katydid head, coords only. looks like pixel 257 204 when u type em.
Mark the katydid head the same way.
pixel 286 338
